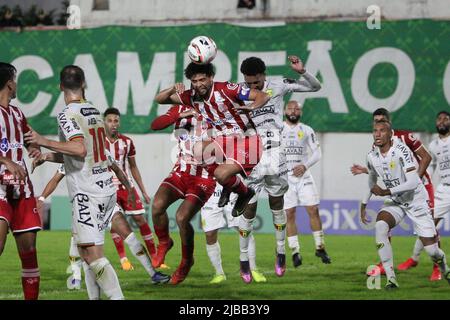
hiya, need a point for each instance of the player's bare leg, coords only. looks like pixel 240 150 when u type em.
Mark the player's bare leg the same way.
pixel 164 197
pixel 184 215
pixel 215 257
pixel 122 228
pixel 26 246
pixel 385 222
pixel 3 234
pixel 101 270
pixel 292 236
pixel 316 228
pixel 146 233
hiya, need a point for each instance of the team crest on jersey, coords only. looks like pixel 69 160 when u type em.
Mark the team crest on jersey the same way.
pixel 392 164
pixel 232 86
pixel 300 135
pixel 269 92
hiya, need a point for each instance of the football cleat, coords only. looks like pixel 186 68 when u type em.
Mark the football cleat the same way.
pixel 161 251
pixel 245 273
pixel 297 260
pixel 224 198
pixel 159 278
pixel 241 202
pixel 258 276
pixel 377 270
pixel 126 264
pixel 392 284
pixel 322 254
pixel 280 264
pixel 182 271
pixel 218 278
pixel 408 264
pixel 73 284
pixel 436 274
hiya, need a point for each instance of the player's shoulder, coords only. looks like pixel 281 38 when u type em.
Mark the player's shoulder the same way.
pixel 19 113
pixel 401 148
pixel 407 136
pixel 305 127
pixel 124 138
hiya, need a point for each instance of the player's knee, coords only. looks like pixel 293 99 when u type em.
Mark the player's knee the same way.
pixel 381 228
pixel 158 207
pixel 181 218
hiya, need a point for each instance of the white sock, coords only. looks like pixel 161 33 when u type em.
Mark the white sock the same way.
pixel 384 248
pixel 215 257
pixel 139 251
pixel 418 247
pixel 92 287
pixel 293 244
pixel 245 228
pixel 279 221
pixel 252 252
pixel 319 239
pixel 107 279
pixel 75 260
pixel 438 256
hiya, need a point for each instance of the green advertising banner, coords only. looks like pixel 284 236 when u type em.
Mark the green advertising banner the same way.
pixel 404 66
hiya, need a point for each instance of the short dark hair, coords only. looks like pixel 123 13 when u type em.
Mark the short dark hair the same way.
pixel 72 77
pixel 443 112
pixel 382 112
pixel 111 111
pixel 7 72
pixel 253 66
pixel 193 69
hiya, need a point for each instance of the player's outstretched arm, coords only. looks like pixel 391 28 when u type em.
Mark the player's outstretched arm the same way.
pixel 124 180
pixel 137 177
pixel 259 99
pixel 307 82
pixel 169 95
pixel 358 169
pixel 74 147
pixel 49 188
pixel 425 159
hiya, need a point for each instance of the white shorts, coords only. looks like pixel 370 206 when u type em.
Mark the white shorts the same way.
pixel 419 214
pixel 90 217
pixel 269 174
pixel 213 217
pixel 302 192
pixel 441 201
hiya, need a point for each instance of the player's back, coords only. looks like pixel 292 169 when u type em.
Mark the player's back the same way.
pixel 89 175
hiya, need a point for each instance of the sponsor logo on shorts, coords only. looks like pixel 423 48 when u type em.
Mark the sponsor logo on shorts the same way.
pixel 84 216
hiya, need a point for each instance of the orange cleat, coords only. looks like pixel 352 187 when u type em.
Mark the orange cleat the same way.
pixel 182 271
pixel 408 264
pixel 163 248
pixel 436 274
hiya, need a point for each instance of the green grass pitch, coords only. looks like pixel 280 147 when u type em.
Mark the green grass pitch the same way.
pixel 343 279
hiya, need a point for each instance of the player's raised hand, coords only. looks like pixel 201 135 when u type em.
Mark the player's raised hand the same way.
pixel 179 87
pixel 363 213
pixel 189 113
pixel 16 170
pixel 296 64
pixel 356 169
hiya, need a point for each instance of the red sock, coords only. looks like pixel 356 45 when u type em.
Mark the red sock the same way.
pixel 187 252
pixel 30 274
pixel 147 235
pixel 118 242
pixel 162 233
pixel 236 185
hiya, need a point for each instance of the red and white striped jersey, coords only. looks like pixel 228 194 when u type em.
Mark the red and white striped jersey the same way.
pixel 220 109
pixel 121 149
pixel 188 131
pixel 13 125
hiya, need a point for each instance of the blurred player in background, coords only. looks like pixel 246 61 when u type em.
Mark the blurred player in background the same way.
pixel 392 161
pixel 17 202
pixel 298 138
pixel 423 158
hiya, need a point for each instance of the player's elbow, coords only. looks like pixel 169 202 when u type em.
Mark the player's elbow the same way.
pixel 81 151
pixel 316 87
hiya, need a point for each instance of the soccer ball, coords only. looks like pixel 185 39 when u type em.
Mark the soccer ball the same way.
pixel 202 50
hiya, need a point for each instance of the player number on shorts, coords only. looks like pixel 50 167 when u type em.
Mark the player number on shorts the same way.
pixel 98 136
